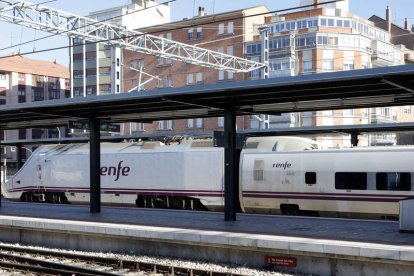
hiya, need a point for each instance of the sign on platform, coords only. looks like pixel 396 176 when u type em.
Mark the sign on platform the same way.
pixel 281 261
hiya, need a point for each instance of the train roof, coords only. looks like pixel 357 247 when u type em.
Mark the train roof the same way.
pixel 280 143
pixel 126 147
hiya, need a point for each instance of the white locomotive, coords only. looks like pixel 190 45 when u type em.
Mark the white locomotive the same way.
pixel 285 175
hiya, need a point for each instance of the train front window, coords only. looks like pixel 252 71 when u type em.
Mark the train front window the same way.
pixel 393 181
pixel 351 181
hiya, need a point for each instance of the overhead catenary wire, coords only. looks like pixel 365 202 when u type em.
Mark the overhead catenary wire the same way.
pixel 101 21
pixel 154 32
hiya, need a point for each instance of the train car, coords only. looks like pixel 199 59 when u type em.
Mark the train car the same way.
pixel 352 182
pixel 145 174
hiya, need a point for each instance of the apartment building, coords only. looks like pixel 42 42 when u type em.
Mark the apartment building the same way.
pixel 28 80
pixel 322 39
pixel 224 32
pixel 96 69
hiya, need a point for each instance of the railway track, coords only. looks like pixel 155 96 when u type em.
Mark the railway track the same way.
pixel 47 262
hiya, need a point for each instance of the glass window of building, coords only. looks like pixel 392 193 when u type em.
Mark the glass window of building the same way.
pixel 230 27
pixel 199 33
pixel 220 121
pixel 169 124
pixel 190 79
pixel 190 34
pixel 200 77
pixel 221 29
pixel 220 75
pixel 199 122
pixel 190 123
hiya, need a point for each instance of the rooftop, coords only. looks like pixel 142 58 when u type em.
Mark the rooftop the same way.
pixel 25 65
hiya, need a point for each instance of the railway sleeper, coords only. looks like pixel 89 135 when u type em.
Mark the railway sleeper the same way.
pixel 169 202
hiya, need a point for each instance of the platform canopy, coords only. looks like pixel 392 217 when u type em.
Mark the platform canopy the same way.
pixel 387 86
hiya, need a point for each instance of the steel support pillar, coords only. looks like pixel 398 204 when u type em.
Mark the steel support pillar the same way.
pixel 230 169
pixel 2 151
pixel 354 139
pixel 95 165
pixel 18 157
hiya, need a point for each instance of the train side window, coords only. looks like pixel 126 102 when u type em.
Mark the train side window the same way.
pixel 310 178
pixel 351 181
pixel 393 181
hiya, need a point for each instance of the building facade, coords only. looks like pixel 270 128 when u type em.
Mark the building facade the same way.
pixel 328 39
pixel 96 69
pixel 28 80
pixel 225 33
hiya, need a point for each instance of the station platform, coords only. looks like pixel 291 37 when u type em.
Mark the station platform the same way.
pixel 323 246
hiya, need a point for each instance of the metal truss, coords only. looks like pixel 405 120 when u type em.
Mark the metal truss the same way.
pixel 62 23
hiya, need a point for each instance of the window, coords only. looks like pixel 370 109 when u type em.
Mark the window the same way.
pixel 348 112
pixel 2 76
pixel 190 34
pixel 200 77
pixel 137 126
pixel 221 29
pixel 170 82
pixel 199 122
pixel 160 125
pixel 169 124
pixel 190 79
pixel 160 83
pixel 141 63
pixel 407 109
pixel 169 36
pixel 190 123
pixel 230 28
pixel 349 66
pixel 328 65
pixel 307 66
pixel 310 178
pixel 351 181
pixel 393 181
pixel 220 75
pixel 347 24
pixel 199 33
pixel 255 73
pixel 89 90
pixel 220 121
pixel 141 126
pixel 230 75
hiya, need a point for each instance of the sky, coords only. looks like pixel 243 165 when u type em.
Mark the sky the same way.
pixel 12 34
